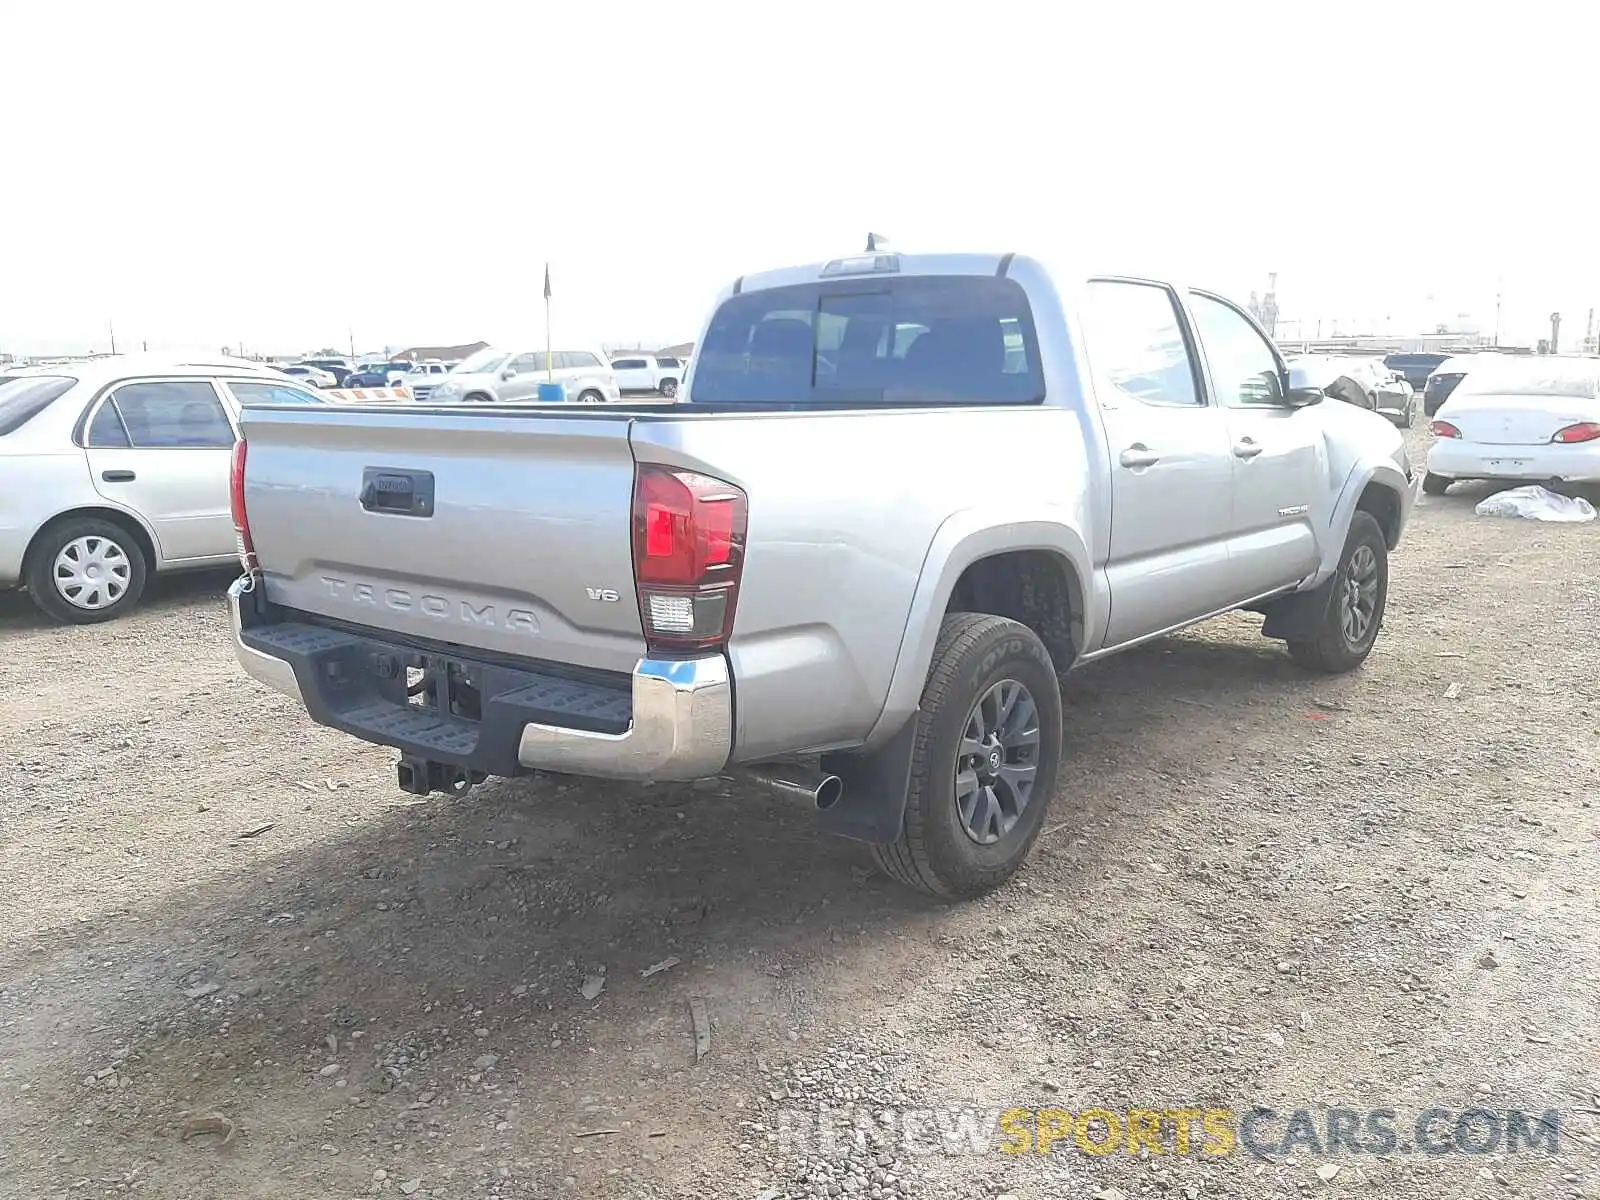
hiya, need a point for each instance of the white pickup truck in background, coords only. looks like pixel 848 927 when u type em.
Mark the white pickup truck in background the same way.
pixel 642 374
pixel 903 495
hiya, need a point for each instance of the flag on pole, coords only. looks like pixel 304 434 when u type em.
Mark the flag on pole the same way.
pixel 547 281
pixel 548 372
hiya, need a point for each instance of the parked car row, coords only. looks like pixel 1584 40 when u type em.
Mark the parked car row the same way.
pixel 117 468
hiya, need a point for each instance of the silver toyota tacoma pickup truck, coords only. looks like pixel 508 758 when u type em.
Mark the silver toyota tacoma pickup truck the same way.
pixel 900 496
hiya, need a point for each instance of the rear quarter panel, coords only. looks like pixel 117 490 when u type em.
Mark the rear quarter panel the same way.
pixel 38 486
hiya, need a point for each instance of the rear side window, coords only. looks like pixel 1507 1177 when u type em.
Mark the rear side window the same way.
pixel 1136 343
pixel 924 339
pixel 24 398
pixel 173 414
pixel 107 428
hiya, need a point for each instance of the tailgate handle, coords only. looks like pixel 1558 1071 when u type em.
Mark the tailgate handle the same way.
pixel 399 493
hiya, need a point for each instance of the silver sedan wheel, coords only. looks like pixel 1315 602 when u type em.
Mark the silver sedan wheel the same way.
pixel 92 572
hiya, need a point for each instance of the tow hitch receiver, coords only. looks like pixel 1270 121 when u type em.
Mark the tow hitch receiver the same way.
pixel 422 776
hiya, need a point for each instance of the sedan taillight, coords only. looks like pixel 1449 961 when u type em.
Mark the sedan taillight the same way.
pixel 1583 431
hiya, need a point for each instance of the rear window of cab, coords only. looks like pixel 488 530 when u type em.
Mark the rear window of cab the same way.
pixel 912 340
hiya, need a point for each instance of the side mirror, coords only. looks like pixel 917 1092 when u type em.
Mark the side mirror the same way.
pixel 1302 391
pixel 508 373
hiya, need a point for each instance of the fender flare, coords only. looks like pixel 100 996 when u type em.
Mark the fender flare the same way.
pixel 1382 471
pixel 961 540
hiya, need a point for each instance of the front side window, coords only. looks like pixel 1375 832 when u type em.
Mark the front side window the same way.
pixel 172 414
pixel 1244 370
pixel 670 363
pixel 628 364
pixel 271 393
pixel 1136 343
pixel 918 339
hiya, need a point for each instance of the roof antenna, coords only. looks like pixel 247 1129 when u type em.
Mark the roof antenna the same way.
pixel 876 241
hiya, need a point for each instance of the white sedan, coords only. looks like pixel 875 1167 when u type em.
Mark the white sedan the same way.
pixel 1533 420
pixel 315 376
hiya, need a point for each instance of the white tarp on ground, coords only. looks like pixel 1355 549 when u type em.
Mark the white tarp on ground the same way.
pixel 1535 503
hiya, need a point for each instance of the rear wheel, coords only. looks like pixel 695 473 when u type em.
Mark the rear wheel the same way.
pixel 85 570
pixel 590 397
pixel 1435 485
pixel 983 770
pixel 669 388
pixel 1357 594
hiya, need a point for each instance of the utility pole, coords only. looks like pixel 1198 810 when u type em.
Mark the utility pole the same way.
pixel 1499 290
pixel 1555 332
pixel 351 331
pixel 112 331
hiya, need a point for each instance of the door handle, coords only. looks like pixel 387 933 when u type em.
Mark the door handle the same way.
pixel 117 476
pixel 1139 455
pixel 1245 448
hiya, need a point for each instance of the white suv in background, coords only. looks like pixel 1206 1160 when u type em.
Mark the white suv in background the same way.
pixel 649 373
pixel 502 375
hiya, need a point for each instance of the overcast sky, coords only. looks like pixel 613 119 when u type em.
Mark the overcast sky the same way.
pixel 206 174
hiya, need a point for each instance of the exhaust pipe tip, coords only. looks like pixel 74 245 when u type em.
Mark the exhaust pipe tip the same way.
pixel 785 779
pixel 830 790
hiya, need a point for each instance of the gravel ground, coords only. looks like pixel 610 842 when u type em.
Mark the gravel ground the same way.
pixel 236 961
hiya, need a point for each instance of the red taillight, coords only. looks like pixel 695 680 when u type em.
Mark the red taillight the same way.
pixel 1445 429
pixel 688 551
pixel 1583 431
pixel 241 520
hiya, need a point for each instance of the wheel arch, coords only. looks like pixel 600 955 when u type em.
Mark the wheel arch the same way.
pixel 1375 487
pixel 1385 505
pixel 130 522
pixel 1023 565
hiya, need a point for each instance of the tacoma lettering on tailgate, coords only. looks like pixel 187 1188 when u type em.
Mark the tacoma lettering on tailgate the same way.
pixel 445 608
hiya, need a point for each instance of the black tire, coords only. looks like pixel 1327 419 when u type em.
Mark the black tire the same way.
pixel 591 397
pixel 479 398
pixel 40 572
pixel 934 854
pixel 1435 485
pixel 1334 651
pixel 669 388
pixel 1411 414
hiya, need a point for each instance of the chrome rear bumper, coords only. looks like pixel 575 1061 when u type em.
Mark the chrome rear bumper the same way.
pixel 679 726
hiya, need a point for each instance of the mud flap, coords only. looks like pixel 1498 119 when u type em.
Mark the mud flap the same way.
pixel 1298 617
pixel 873 807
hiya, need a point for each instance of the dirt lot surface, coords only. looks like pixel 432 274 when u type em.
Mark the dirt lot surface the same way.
pixel 236 961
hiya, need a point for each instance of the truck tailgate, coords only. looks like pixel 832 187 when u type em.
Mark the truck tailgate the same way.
pixel 523 546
